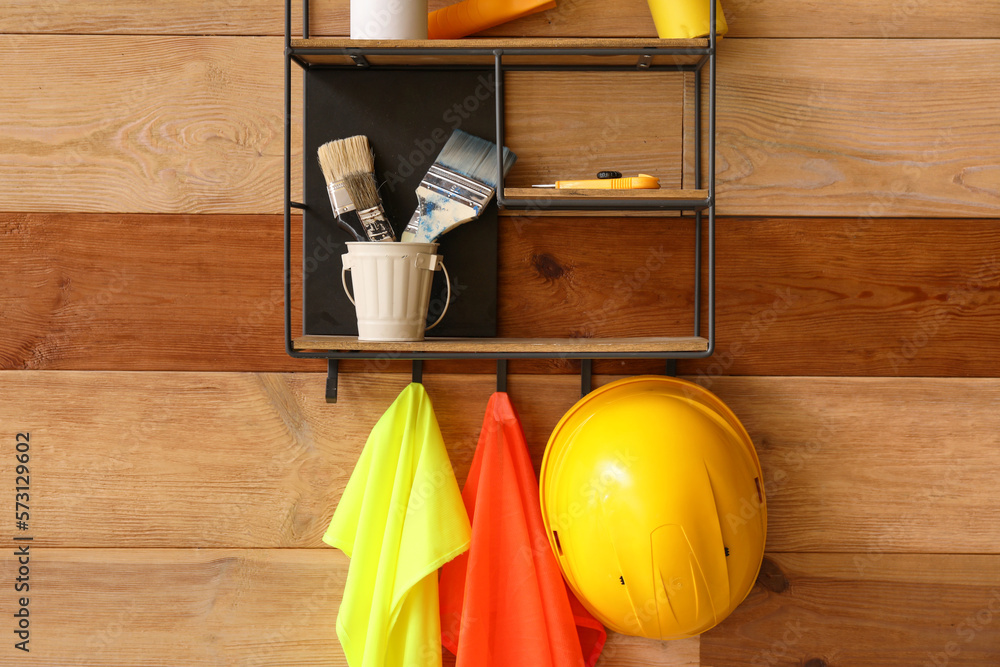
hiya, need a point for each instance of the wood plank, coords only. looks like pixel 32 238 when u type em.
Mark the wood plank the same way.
pixel 143 292
pixel 561 126
pixel 795 296
pixel 247 460
pixel 866 610
pixel 386 51
pixel 132 17
pixel 667 194
pixel 553 346
pixel 799 132
pixel 490 44
pixel 624 18
pixel 144 124
pixel 866 128
pixel 488 60
pixel 260 607
pixel 595 213
pixel 850 463
pixel 198 607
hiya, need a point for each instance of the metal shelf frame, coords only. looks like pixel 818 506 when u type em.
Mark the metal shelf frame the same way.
pixel 701 208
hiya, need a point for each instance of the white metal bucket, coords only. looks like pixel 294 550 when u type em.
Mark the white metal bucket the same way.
pixel 392 288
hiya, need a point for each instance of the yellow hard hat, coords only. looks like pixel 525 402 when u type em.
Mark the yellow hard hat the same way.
pixel 653 503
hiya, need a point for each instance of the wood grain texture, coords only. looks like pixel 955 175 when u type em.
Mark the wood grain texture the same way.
pixel 142 292
pixel 795 296
pixel 489 44
pixel 859 464
pixel 591 18
pixel 561 126
pixel 131 17
pixel 489 61
pixel 241 460
pixel 486 51
pixel 865 610
pixel 553 346
pixel 866 128
pixel 799 132
pixel 144 124
pixel 210 607
pixel 565 193
pixel 198 607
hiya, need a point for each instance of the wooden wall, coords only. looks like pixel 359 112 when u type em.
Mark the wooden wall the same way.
pixel 184 468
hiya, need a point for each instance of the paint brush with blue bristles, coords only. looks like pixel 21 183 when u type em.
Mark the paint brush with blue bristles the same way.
pixel 457 186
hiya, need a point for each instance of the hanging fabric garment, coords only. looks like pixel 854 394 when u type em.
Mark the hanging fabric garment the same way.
pixel 504 603
pixel 401 518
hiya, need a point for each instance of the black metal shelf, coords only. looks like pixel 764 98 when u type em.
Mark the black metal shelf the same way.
pixel 525 54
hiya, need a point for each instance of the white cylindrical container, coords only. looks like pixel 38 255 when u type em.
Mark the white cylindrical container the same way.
pixel 388 19
pixel 392 288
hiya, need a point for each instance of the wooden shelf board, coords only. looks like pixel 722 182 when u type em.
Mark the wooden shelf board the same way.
pixel 485 48
pixel 552 193
pixel 503 43
pixel 555 346
pixel 565 213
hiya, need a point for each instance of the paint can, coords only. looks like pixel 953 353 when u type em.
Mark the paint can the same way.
pixel 392 288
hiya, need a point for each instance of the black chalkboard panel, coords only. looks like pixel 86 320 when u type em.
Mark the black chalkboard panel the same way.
pixel 407 116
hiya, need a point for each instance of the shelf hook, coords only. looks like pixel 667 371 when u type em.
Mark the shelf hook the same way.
pixel 501 375
pixel 586 376
pixel 331 380
pixel 418 370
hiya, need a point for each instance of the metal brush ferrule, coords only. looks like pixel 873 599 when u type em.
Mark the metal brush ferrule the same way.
pixel 340 199
pixel 414 224
pixel 455 186
pixel 376 225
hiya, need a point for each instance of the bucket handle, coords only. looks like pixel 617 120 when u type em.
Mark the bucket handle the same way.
pixel 440 262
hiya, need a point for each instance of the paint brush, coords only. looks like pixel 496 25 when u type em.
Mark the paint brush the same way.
pixel 361 187
pixel 337 159
pixel 457 186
